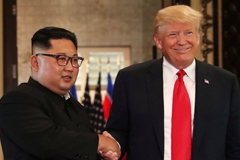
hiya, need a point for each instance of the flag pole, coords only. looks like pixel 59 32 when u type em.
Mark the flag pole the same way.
pixel 108 66
pixel 87 66
pixel 99 64
pixel 98 118
pixel 118 62
pixel 87 71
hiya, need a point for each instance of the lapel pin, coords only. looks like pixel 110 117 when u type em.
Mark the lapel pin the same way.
pixel 206 81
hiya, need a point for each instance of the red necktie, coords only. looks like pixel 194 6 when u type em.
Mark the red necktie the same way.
pixel 181 121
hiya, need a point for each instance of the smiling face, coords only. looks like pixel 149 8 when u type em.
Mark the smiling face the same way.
pixel 46 70
pixel 179 43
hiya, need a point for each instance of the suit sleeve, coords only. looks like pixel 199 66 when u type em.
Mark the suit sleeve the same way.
pixel 32 130
pixel 233 130
pixel 118 122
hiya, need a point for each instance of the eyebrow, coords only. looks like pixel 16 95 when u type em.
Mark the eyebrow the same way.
pixel 171 32
pixel 75 55
pixel 175 31
pixel 189 29
pixel 61 53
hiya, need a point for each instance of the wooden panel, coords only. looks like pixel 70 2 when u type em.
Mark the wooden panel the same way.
pixel 1 153
pixel 186 2
pixel 1 67
pixel 166 3
pixel 1 48
pixel 231 36
pixel 9 45
pixel 215 33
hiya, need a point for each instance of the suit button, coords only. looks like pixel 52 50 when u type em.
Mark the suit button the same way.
pixel 79 156
pixel 86 157
pixel 79 125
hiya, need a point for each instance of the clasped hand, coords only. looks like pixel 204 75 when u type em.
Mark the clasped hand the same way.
pixel 108 148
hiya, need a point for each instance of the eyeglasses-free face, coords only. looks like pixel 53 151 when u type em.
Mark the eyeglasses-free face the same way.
pixel 62 60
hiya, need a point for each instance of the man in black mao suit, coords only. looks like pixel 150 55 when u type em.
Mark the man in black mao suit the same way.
pixel 41 119
pixel 141 113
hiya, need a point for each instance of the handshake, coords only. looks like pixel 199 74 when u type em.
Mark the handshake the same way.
pixel 108 148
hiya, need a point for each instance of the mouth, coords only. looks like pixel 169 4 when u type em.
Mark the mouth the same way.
pixel 182 50
pixel 67 78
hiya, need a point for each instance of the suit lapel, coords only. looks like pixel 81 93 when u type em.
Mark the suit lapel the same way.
pixel 155 100
pixel 203 85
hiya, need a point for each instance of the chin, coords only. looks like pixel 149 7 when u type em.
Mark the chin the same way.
pixel 186 57
pixel 66 87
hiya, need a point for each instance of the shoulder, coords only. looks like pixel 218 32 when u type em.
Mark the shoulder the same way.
pixel 213 69
pixel 29 93
pixel 215 72
pixel 142 68
pixel 19 94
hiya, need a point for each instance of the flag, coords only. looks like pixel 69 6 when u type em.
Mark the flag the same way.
pixel 87 99
pixel 98 121
pixel 107 102
pixel 73 91
pixel 206 81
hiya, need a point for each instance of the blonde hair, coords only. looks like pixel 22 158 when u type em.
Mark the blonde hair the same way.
pixel 178 14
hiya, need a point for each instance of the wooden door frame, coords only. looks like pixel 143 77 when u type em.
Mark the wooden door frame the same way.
pixel 10 67
pixel 166 3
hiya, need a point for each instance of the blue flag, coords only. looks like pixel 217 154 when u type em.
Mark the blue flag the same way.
pixel 107 102
pixel 73 91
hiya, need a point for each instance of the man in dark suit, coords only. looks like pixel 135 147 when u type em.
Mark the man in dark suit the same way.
pixel 141 115
pixel 40 119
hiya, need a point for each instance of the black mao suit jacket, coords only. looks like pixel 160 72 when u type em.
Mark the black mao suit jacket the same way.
pixel 36 123
pixel 137 115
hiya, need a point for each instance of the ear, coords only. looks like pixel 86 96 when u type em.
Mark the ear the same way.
pixel 158 42
pixel 34 63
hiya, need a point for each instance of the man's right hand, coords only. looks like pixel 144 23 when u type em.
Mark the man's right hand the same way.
pixel 108 148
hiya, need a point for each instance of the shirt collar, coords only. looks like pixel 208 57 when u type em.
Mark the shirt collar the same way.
pixel 170 70
pixel 66 96
pixel 190 71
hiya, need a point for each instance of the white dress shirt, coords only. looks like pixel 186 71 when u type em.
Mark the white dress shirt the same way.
pixel 66 96
pixel 169 78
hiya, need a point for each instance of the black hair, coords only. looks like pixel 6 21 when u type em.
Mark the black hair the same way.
pixel 43 36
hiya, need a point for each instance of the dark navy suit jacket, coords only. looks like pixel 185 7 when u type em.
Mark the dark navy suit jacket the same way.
pixel 137 115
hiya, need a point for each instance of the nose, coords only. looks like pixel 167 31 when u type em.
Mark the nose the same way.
pixel 181 39
pixel 69 66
